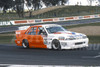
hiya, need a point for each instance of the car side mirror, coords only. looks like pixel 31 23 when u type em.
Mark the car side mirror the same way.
pixel 44 32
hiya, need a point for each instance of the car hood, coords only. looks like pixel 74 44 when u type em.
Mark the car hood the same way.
pixel 67 33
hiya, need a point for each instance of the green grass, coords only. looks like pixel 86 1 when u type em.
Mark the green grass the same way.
pixel 8 16
pixel 82 25
pixel 94 39
pixel 7 39
pixel 70 11
pixel 8 33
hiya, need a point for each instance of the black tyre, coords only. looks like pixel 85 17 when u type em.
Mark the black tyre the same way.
pixel 25 43
pixel 56 45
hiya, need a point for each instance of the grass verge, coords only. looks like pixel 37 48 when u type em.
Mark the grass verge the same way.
pixel 7 39
pixel 56 11
pixel 94 39
pixel 82 25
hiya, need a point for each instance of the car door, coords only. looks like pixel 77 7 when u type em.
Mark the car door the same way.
pixel 41 35
pixel 34 39
pixel 31 36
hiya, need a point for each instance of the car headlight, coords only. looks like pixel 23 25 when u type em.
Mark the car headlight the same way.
pixel 61 38
pixel 84 37
pixel 70 38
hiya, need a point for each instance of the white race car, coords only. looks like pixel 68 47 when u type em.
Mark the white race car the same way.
pixel 51 36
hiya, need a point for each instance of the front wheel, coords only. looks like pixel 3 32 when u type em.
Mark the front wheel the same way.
pixel 25 44
pixel 56 45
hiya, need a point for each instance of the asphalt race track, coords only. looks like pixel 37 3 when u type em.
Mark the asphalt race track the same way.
pixel 11 54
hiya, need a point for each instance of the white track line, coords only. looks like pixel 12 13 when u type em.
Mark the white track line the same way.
pixel 15 65
pixel 97 56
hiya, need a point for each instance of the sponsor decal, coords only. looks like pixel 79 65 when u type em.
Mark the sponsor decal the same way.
pixel 57 33
pixel 56 19
pixel 69 18
pixel 18 32
pixel 6 23
pixel 30 21
pixel 45 39
pixel 96 16
pixel 18 42
pixel 22 21
pixel 86 16
pixel 76 18
pixel 47 20
pixel 92 16
pixel 61 19
pixel 80 17
pixel 73 33
pixel 38 20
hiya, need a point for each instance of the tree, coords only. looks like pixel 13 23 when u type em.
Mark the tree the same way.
pixel 6 4
pixel 63 2
pixel 30 6
pixel 90 1
pixel 47 3
pixel 19 7
pixel 54 2
pixel 37 4
pixel 33 5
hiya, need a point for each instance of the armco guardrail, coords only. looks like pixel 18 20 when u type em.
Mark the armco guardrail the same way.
pixel 33 21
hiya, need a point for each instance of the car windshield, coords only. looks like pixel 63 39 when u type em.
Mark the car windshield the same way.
pixel 55 29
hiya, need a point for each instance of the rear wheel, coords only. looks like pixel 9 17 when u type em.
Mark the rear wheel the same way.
pixel 56 45
pixel 25 43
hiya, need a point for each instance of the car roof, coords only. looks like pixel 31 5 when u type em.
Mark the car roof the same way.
pixel 44 25
pixel 50 25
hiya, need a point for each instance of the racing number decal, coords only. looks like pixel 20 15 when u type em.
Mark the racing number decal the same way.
pixel 45 39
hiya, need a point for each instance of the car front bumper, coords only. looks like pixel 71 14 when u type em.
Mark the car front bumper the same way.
pixel 72 44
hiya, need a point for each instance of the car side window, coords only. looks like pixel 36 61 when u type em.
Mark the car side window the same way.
pixel 32 31
pixel 41 31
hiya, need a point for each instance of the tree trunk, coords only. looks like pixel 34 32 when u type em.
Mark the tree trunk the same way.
pixel 4 10
pixel 30 13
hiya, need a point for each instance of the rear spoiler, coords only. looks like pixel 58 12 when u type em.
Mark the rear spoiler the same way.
pixel 23 27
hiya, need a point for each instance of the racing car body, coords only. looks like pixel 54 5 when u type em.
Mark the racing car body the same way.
pixel 51 36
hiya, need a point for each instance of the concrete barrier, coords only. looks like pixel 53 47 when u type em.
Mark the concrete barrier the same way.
pixel 33 21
